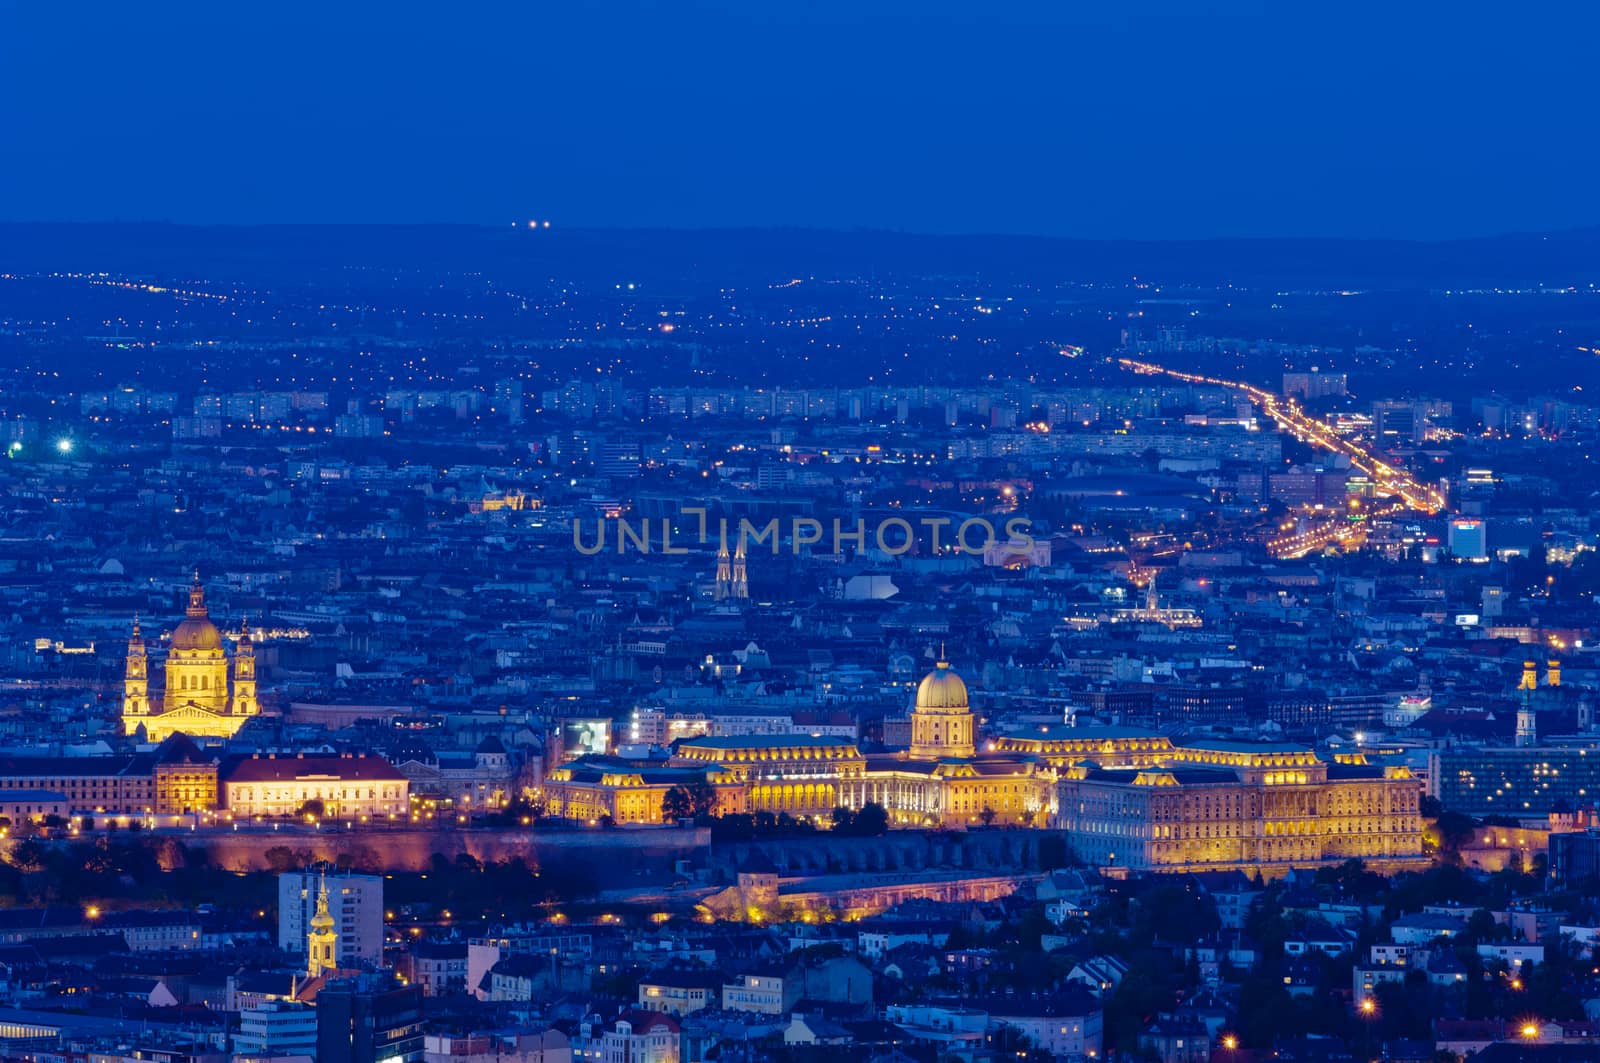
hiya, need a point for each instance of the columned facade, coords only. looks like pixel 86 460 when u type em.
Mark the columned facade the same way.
pixel 198 698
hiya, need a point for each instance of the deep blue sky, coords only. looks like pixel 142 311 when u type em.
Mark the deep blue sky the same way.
pixel 1089 118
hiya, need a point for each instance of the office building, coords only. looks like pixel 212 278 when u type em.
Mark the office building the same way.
pixel 1468 539
pixel 369 1019
pixel 277 1028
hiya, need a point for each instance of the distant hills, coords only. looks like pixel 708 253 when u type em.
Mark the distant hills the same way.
pixel 1556 259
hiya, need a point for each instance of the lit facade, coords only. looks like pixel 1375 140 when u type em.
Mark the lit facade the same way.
pixel 802 775
pixel 598 787
pixel 184 788
pixel 1062 746
pixel 639 1037
pixel 939 781
pixel 342 787
pixel 1218 805
pixel 121 784
pixel 198 698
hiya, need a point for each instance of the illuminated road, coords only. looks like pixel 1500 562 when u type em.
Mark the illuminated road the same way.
pixel 1387 480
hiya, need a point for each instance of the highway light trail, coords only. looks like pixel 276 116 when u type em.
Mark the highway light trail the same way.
pixel 1386 479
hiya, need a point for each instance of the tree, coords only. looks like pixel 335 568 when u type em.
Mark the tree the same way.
pixel 871 821
pixel 677 804
pixel 29 856
pixel 987 815
pixel 280 858
pixel 313 807
pixel 843 820
pixel 702 798
pixel 1455 830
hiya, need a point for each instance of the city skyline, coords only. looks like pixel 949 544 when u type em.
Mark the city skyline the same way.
pixel 799 533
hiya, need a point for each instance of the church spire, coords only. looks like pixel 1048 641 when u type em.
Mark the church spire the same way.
pixel 740 587
pixel 135 682
pixel 724 584
pixel 197 597
pixel 321 941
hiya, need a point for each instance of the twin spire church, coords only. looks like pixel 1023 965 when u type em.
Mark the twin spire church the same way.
pixel 198 698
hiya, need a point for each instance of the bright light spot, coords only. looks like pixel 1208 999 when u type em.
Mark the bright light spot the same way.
pixel 64 445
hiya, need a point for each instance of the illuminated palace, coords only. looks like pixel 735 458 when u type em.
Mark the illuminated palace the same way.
pixel 941 780
pixel 627 791
pixel 1146 804
pixel 197 698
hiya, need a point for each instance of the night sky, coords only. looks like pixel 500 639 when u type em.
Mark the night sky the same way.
pixel 1101 118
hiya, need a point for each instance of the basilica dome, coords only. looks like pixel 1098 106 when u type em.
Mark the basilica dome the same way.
pixel 941 690
pixel 196 632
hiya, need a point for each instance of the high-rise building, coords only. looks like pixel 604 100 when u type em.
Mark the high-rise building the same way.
pixel 1468 539
pixel 369 1019
pixel 354 903
pixel 1526 781
pixel 1317 384
pixel 508 399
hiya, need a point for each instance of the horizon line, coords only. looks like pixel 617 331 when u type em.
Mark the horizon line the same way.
pixel 553 229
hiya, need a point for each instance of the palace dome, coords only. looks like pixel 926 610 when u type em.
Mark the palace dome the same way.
pixel 941 690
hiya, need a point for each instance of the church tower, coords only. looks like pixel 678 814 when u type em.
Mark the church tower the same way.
pixel 321 942
pixel 244 675
pixel 724 573
pixel 941 721
pixel 1527 720
pixel 135 683
pixel 741 585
